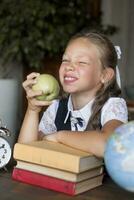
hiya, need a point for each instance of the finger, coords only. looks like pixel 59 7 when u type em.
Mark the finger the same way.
pixel 51 137
pixel 28 83
pixel 37 105
pixel 33 94
pixel 33 75
pixel 41 103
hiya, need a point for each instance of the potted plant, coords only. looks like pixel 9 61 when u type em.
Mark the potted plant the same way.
pixel 32 30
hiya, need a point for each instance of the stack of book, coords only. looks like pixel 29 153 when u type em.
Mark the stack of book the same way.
pixel 57 167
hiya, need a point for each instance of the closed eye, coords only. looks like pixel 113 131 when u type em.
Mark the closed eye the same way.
pixel 65 61
pixel 84 63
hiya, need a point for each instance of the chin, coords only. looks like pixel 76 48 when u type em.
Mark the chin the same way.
pixel 71 91
pixel 70 88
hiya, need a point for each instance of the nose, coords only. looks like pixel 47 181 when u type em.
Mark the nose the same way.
pixel 70 66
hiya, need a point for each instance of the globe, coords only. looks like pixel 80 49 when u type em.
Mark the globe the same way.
pixel 119 156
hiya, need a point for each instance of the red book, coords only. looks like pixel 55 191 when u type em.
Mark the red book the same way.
pixel 71 188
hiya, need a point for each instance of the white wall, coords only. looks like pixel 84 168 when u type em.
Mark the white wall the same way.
pixel 121 14
pixel 11 96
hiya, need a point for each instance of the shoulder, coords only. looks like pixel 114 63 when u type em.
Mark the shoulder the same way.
pixel 115 101
pixel 50 112
pixel 114 108
pixel 54 105
pixel 47 124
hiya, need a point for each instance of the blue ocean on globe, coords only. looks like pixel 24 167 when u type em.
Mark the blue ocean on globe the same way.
pixel 119 156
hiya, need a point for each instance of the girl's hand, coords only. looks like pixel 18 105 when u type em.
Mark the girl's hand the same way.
pixel 51 137
pixel 33 103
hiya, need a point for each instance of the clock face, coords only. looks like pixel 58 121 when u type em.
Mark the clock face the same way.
pixel 5 152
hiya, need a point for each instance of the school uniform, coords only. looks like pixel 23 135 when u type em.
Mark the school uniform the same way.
pixel 61 116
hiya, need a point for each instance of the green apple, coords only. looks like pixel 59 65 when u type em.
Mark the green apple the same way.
pixel 48 85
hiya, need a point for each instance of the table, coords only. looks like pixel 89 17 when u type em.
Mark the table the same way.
pixel 10 190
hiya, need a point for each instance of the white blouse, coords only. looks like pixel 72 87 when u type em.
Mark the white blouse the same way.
pixel 114 108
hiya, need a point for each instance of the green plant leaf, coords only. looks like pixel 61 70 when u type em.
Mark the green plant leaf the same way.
pixel 30 29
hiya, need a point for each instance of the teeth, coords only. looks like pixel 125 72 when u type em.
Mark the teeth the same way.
pixel 69 78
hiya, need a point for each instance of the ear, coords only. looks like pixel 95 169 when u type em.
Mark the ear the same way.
pixel 108 74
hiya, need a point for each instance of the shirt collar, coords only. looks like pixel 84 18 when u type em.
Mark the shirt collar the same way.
pixel 84 112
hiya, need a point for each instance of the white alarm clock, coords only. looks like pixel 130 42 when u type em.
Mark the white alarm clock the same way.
pixel 5 149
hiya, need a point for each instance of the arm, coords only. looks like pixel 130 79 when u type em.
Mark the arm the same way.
pixel 94 141
pixel 29 129
pixel 90 141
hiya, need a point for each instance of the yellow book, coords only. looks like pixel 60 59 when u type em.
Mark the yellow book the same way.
pixel 56 155
pixel 68 176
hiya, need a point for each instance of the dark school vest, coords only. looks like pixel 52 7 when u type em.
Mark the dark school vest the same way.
pixel 61 115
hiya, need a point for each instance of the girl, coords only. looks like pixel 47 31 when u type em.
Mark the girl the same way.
pixel 93 108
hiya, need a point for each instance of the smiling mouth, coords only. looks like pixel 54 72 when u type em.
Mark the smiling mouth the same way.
pixel 70 79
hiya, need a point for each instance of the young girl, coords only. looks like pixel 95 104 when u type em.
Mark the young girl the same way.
pixel 93 108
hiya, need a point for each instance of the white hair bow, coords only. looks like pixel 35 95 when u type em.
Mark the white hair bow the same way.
pixel 118 79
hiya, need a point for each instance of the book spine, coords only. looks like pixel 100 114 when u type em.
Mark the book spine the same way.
pixel 43 181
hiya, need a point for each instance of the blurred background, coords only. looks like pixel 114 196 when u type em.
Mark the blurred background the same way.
pixel 33 35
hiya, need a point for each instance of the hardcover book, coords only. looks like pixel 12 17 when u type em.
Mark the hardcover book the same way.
pixel 65 175
pixel 56 155
pixel 56 184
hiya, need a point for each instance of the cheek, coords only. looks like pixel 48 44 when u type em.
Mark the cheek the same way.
pixel 86 72
pixel 90 75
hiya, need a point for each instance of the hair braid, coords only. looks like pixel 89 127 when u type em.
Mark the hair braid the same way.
pixel 101 97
